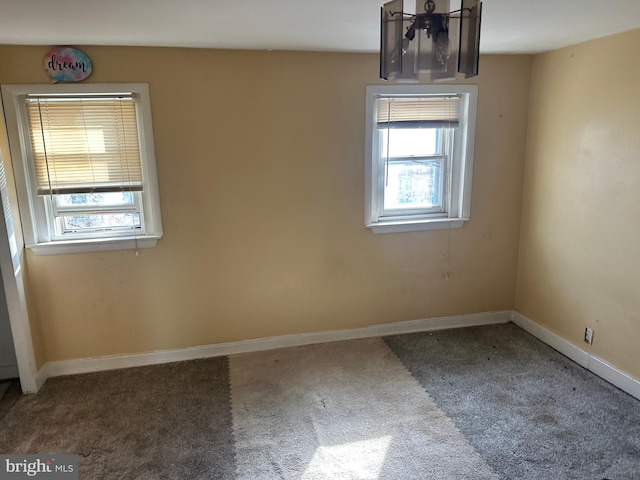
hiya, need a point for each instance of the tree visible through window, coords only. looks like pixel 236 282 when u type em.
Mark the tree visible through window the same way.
pixel 73 221
pixel 413 170
pixel 419 149
pixel 88 165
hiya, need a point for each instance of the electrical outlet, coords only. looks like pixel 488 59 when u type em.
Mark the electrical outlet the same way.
pixel 588 335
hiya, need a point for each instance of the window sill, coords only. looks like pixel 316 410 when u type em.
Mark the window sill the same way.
pixel 416 225
pixel 93 245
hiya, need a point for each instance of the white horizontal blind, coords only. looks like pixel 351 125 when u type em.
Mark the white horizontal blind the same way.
pixel 415 112
pixel 84 144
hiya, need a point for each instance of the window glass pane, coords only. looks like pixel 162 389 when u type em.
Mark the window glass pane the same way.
pixel 410 142
pixel 107 199
pixel 100 222
pixel 413 185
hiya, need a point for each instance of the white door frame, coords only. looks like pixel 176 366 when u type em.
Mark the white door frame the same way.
pixel 11 259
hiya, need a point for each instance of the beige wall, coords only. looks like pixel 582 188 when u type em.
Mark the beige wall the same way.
pixel 580 245
pixel 261 163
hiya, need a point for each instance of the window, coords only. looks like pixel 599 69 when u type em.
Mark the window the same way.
pixel 419 156
pixel 84 164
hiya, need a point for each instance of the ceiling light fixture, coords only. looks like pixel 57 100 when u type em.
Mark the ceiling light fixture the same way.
pixel 433 40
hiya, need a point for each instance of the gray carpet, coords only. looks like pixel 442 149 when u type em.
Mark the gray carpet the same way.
pixel 161 422
pixel 529 411
pixel 486 402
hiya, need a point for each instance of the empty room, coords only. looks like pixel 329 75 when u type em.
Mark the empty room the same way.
pixel 250 240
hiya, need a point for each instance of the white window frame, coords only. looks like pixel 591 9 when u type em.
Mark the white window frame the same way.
pixel 37 211
pixel 458 178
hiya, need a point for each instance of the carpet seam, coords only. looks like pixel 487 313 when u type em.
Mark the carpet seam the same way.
pixel 423 388
pixel 233 421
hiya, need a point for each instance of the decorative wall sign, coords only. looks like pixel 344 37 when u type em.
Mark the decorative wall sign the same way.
pixel 65 64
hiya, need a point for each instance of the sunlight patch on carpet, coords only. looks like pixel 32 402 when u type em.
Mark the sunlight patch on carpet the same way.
pixel 344 410
pixel 362 459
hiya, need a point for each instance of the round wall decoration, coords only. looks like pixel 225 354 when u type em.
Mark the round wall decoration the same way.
pixel 66 64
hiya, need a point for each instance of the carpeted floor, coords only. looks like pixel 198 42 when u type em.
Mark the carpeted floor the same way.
pixel 346 410
pixel 530 412
pixel 162 422
pixel 479 403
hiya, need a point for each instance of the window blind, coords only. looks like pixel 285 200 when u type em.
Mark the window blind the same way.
pixel 416 112
pixel 84 144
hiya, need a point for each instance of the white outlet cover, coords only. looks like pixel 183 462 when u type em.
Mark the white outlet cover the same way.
pixel 588 335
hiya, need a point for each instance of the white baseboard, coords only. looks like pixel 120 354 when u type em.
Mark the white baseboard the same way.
pixel 599 367
pixel 596 365
pixel 41 377
pixel 86 365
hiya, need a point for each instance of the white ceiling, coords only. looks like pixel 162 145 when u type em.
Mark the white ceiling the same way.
pixel 508 26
